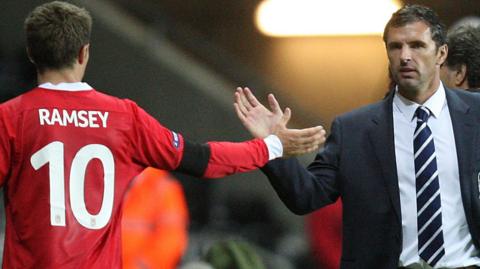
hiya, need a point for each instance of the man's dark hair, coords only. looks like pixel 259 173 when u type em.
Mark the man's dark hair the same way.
pixel 464 48
pixel 417 13
pixel 55 32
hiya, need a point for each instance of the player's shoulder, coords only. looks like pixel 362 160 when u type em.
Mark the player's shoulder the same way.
pixel 113 102
pixel 16 102
pixel 119 104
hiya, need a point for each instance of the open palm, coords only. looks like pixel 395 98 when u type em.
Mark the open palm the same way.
pixel 259 120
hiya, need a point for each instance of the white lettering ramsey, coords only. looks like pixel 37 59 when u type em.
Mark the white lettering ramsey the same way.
pixel 76 118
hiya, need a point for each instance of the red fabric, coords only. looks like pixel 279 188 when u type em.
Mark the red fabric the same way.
pixel 118 147
pixel 229 158
pixel 154 223
pixel 324 228
pixel 133 138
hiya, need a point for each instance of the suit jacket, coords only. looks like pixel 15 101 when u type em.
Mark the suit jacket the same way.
pixel 358 164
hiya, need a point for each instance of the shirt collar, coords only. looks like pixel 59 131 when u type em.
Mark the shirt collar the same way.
pixel 65 86
pixel 435 103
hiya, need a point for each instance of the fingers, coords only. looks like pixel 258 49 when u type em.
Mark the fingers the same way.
pixel 240 113
pixel 303 151
pixel 239 103
pixel 250 125
pixel 286 116
pixel 296 142
pixel 250 97
pixel 308 138
pixel 304 134
pixel 314 136
pixel 311 132
pixel 273 103
pixel 243 98
pixel 247 101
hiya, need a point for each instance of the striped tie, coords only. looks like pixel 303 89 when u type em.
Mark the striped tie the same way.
pixel 429 213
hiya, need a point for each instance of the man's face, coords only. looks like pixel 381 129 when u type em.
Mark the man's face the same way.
pixel 413 57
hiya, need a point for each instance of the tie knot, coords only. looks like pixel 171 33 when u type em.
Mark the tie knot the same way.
pixel 422 114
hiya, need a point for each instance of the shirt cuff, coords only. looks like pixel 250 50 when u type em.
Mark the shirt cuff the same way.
pixel 274 146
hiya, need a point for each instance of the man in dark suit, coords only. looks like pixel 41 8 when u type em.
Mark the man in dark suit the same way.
pixel 406 167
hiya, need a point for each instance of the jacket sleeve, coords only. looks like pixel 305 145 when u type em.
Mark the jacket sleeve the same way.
pixel 303 190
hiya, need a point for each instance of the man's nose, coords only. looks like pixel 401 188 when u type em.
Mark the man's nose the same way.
pixel 405 56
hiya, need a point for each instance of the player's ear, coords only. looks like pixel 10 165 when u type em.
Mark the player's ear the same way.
pixel 84 54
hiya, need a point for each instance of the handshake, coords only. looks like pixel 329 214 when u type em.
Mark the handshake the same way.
pixel 261 122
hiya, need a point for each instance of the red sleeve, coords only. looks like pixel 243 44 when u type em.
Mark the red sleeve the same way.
pixel 228 158
pixel 153 144
pixel 5 148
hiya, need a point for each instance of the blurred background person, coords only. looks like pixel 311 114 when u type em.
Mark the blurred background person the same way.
pixel 462 67
pixel 472 20
pixel 154 222
pixel 324 229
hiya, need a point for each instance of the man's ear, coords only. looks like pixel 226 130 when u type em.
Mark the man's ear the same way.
pixel 461 76
pixel 442 54
pixel 84 54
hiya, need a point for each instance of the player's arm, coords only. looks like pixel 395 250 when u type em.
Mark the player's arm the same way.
pixel 218 159
pixel 162 148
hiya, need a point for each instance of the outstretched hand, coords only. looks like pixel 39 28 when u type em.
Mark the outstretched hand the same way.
pixel 261 122
pixel 258 120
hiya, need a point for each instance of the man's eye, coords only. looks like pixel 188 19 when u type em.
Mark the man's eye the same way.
pixel 394 46
pixel 417 45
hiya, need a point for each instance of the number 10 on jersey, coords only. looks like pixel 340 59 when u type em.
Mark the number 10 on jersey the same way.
pixel 53 154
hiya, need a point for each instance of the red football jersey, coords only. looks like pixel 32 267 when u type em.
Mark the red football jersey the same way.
pixel 66 158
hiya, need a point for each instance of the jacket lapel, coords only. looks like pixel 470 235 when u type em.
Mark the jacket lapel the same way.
pixel 382 139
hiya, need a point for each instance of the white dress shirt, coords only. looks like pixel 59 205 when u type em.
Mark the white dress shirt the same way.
pixel 459 248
